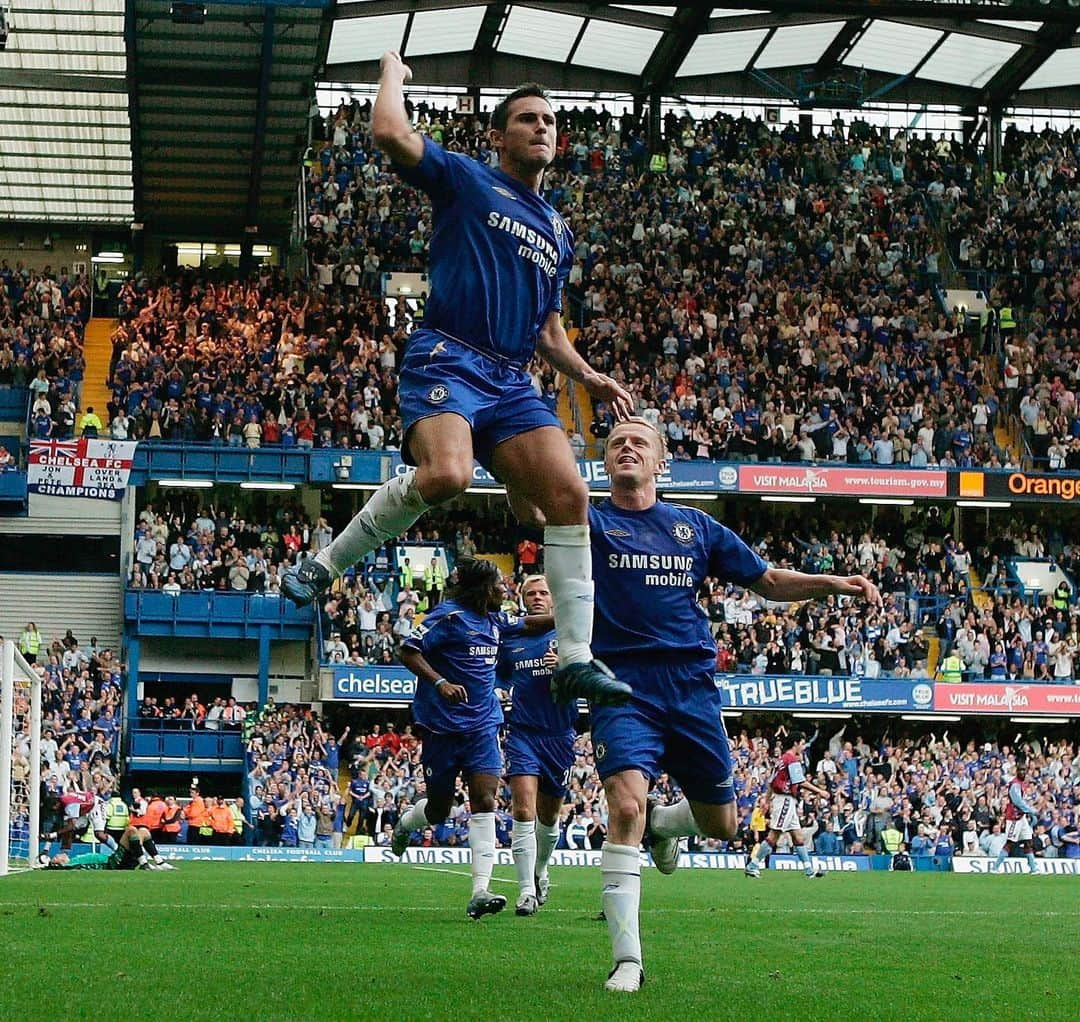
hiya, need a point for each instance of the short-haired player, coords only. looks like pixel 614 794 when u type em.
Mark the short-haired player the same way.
pixel 539 748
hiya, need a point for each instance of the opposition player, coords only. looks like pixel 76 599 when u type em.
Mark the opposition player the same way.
pixel 650 559
pixel 539 748
pixel 1020 817
pixel 77 809
pixel 499 258
pixel 135 850
pixel 454 653
pixel 787 781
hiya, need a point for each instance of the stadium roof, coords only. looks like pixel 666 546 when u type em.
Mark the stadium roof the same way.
pixel 110 111
pixel 65 143
pixel 114 111
pixel 992 53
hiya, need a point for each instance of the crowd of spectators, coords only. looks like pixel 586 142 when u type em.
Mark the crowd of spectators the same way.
pixel 181 546
pixel 82 705
pixel 43 316
pixel 1018 240
pixel 940 796
pixel 760 293
pixel 292 767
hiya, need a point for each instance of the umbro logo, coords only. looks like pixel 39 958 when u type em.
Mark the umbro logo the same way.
pixel 504 192
pixel 617 533
pixel 518 649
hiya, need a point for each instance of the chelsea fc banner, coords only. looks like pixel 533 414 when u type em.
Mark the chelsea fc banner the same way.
pixel 98 469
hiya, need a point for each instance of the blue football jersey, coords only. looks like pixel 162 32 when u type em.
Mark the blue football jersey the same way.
pixel 463 647
pixel 521 667
pixel 499 258
pixel 648 567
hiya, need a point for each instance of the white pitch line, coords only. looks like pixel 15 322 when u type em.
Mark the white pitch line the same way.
pixel 460 873
pixel 31 903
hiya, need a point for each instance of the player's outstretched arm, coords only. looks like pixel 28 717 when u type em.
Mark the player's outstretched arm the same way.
pixel 781 585
pixel 555 348
pixel 394 133
pixel 536 623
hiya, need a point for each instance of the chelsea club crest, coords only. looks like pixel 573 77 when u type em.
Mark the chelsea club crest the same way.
pixel 683 533
pixel 438 394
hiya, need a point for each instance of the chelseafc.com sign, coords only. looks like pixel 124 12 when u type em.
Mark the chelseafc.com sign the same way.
pixel 374 684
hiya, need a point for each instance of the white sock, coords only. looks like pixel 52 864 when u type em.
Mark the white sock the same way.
pixel 762 852
pixel 673 821
pixel 523 846
pixel 482 843
pixel 568 568
pixel 415 817
pixel 620 868
pixel 393 507
pixel 547 837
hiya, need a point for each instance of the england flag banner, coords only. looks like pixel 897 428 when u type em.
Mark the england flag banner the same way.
pixel 98 469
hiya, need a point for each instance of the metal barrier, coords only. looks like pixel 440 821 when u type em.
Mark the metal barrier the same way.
pixel 169 745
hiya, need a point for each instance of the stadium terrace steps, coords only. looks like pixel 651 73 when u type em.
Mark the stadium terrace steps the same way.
pixel 979 596
pixel 87 604
pixel 565 407
pixel 97 349
pixel 933 653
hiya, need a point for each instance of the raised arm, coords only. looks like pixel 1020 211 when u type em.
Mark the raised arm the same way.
pixel 781 585
pixel 394 133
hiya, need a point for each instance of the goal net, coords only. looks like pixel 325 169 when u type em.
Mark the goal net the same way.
pixel 20 760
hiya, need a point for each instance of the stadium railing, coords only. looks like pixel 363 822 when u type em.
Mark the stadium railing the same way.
pixel 173 744
pixel 14 404
pixel 222 614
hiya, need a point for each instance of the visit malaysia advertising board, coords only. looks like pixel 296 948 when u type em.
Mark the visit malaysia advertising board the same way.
pixel 790 692
pixel 988 697
pixel 842 481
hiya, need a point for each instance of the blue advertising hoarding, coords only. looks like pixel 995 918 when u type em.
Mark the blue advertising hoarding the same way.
pixel 374 684
pixel 739 692
pixel 793 692
pixel 706 476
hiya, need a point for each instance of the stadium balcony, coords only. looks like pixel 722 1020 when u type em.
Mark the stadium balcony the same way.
pixel 155 746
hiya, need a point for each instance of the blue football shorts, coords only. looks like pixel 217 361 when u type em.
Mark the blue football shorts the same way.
pixel 672 724
pixel 538 754
pixel 496 398
pixel 444 756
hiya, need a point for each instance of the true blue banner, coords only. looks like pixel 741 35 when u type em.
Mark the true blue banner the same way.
pixel 796 692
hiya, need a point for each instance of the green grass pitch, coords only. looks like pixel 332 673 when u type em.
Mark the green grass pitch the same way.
pixel 296 942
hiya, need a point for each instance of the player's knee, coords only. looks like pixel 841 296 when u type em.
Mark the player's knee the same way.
pixel 626 807
pixel 722 830
pixel 443 480
pixel 484 803
pixel 565 504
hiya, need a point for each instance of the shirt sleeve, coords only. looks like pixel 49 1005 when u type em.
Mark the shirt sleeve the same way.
pixel 510 625
pixel 730 559
pixel 434 631
pixel 440 174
